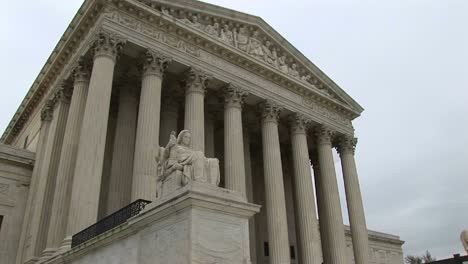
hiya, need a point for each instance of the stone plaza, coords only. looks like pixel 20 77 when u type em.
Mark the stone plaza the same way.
pixel 205 112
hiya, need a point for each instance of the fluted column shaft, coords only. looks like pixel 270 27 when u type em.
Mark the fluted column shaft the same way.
pixel 274 186
pixel 320 204
pixel 194 119
pixel 107 166
pixel 357 217
pixel 306 219
pixel 120 179
pixel 209 135
pixel 250 193
pixel 169 118
pixel 61 203
pixel 47 176
pixel 147 134
pixel 90 157
pixel 234 164
pixel 333 238
pixel 46 117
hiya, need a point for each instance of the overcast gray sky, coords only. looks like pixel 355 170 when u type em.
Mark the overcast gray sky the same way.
pixel 404 61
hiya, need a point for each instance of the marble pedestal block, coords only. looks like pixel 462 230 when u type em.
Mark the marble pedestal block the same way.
pixel 198 224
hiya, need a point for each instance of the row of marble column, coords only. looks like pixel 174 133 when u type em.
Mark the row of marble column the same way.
pixel 72 147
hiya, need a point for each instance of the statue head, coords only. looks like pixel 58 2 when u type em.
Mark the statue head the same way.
pixel 464 239
pixel 194 19
pixel 216 25
pixel 184 138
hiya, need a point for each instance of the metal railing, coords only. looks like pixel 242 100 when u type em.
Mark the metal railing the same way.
pixel 107 223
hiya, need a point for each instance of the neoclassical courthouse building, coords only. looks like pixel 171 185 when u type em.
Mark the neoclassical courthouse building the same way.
pixel 86 142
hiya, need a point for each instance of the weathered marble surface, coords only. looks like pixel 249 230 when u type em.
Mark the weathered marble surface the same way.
pixel 200 223
pixel 15 174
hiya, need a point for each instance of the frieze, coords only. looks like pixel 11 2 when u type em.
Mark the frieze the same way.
pixel 326 112
pixel 149 30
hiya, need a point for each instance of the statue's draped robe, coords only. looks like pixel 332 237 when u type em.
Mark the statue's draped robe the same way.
pixel 184 165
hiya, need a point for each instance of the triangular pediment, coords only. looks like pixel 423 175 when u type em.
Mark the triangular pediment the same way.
pixel 253 37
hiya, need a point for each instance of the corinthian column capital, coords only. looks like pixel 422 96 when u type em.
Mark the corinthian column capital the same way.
pixel 346 144
pixel 270 111
pixel 298 123
pixel 47 111
pixel 82 71
pixel 108 44
pixel 196 80
pixel 64 93
pixel 234 96
pixel 324 135
pixel 155 63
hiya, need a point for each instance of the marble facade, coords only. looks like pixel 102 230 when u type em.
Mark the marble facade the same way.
pixel 127 73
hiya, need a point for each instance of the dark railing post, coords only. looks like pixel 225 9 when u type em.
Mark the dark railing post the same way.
pixel 111 221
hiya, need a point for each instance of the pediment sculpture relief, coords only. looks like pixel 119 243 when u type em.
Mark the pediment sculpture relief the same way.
pixel 248 40
pixel 178 165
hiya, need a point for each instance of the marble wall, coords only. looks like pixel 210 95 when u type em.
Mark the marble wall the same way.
pixel 15 174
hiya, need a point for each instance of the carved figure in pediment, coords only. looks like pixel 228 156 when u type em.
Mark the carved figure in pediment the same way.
pixel 213 30
pixel 227 35
pixel 306 78
pixel 270 54
pixel 293 71
pixel 464 239
pixel 193 22
pixel 256 47
pixel 165 11
pixel 243 39
pixel 178 165
pixel 283 66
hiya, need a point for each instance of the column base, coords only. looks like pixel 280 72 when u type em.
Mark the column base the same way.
pixel 31 261
pixel 66 244
pixel 46 254
pixel 199 223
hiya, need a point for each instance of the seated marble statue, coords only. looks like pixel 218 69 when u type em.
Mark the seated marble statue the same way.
pixel 178 165
pixel 464 240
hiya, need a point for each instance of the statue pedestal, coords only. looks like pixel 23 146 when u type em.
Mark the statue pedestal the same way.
pixel 199 223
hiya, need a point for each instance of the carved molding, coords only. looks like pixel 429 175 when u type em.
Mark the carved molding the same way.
pixel 270 111
pixel 234 96
pixel 155 63
pixel 148 29
pixel 327 112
